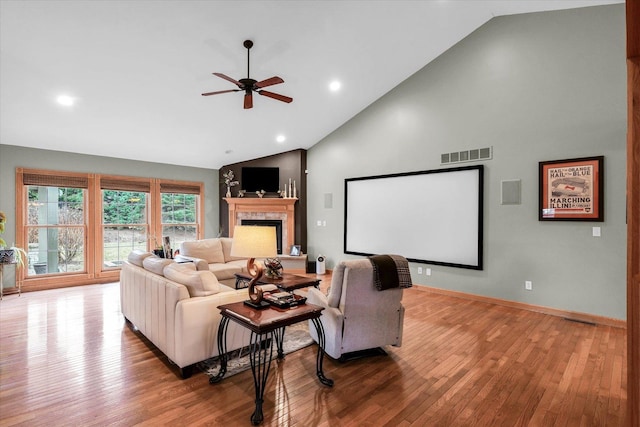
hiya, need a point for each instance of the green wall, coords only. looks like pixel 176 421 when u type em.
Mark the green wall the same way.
pixel 12 157
pixel 535 87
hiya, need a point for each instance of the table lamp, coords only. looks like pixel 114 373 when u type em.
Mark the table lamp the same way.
pixel 254 242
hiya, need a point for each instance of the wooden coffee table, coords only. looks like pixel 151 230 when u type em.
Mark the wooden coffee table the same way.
pixel 266 326
pixel 288 282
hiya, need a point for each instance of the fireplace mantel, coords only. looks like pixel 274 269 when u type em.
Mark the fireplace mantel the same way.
pixel 264 208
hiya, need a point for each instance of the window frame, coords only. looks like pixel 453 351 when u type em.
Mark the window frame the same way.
pixel 177 187
pixel 95 272
pixel 83 225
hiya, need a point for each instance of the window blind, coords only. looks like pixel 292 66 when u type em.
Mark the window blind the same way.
pixel 178 187
pixel 125 184
pixel 53 180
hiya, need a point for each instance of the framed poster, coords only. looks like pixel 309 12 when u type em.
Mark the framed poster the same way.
pixel 572 190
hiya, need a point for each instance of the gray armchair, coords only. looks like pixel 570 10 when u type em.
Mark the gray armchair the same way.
pixel 357 316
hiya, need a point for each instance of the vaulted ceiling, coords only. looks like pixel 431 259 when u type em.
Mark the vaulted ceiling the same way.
pixel 136 70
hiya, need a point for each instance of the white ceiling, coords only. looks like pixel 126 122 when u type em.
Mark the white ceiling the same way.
pixel 137 69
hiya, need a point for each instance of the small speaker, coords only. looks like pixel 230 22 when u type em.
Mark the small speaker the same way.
pixel 321 265
pixel 510 192
pixel 328 200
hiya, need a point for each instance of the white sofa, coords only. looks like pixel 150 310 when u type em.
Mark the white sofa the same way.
pixel 175 307
pixel 214 255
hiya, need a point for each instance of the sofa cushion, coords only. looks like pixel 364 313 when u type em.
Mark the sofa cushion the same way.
pixel 228 269
pixel 198 283
pixel 227 242
pixel 136 257
pixel 156 264
pixel 198 262
pixel 209 250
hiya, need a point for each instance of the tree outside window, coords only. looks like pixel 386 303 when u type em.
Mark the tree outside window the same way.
pixel 179 217
pixel 125 225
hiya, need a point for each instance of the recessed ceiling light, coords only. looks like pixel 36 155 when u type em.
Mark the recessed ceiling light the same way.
pixel 281 138
pixel 335 86
pixel 66 100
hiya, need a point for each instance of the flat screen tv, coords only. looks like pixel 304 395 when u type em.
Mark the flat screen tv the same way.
pixel 260 178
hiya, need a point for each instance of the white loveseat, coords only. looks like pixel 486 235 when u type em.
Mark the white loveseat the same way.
pixel 214 255
pixel 175 307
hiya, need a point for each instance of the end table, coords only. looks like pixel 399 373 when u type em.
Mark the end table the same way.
pixel 266 326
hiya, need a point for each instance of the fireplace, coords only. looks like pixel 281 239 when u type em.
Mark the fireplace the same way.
pixel 265 209
pixel 267 223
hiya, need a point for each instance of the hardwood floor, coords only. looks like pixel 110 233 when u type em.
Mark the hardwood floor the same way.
pixel 68 358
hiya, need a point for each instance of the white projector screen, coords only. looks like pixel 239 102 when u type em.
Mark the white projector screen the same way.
pixel 431 217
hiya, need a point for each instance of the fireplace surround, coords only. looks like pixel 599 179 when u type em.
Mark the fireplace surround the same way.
pixel 264 209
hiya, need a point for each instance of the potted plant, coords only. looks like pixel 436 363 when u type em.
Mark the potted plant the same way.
pixel 9 255
pixel 158 249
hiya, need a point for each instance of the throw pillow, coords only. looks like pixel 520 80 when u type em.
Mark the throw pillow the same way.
pixel 198 283
pixel 137 256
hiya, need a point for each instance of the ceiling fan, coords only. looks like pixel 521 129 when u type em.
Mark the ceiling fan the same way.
pixel 249 85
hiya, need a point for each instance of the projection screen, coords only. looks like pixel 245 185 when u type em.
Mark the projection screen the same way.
pixel 431 217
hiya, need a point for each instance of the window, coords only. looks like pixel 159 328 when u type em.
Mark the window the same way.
pixel 125 225
pixel 180 211
pixel 55 229
pixel 179 215
pixel 78 228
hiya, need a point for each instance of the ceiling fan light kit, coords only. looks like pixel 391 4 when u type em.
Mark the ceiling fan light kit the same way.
pixel 249 85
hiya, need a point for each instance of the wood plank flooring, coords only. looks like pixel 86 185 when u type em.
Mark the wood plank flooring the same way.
pixel 68 358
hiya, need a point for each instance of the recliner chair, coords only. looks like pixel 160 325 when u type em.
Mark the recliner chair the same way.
pixel 357 316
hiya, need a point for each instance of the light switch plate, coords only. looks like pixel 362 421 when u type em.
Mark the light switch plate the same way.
pixel 596 231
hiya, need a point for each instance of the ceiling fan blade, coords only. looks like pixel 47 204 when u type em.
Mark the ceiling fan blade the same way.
pixel 220 91
pixel 276 96
pixel 269 82
pixel 234 81
pixel 248 101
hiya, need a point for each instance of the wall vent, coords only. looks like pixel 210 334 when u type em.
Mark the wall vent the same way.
pixel 467 156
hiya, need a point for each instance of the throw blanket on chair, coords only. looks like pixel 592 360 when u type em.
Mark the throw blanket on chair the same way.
pixel 390 271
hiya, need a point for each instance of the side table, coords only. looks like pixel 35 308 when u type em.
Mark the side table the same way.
pixel 266 326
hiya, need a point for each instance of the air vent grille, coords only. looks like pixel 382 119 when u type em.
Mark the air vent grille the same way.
pixel 467 155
